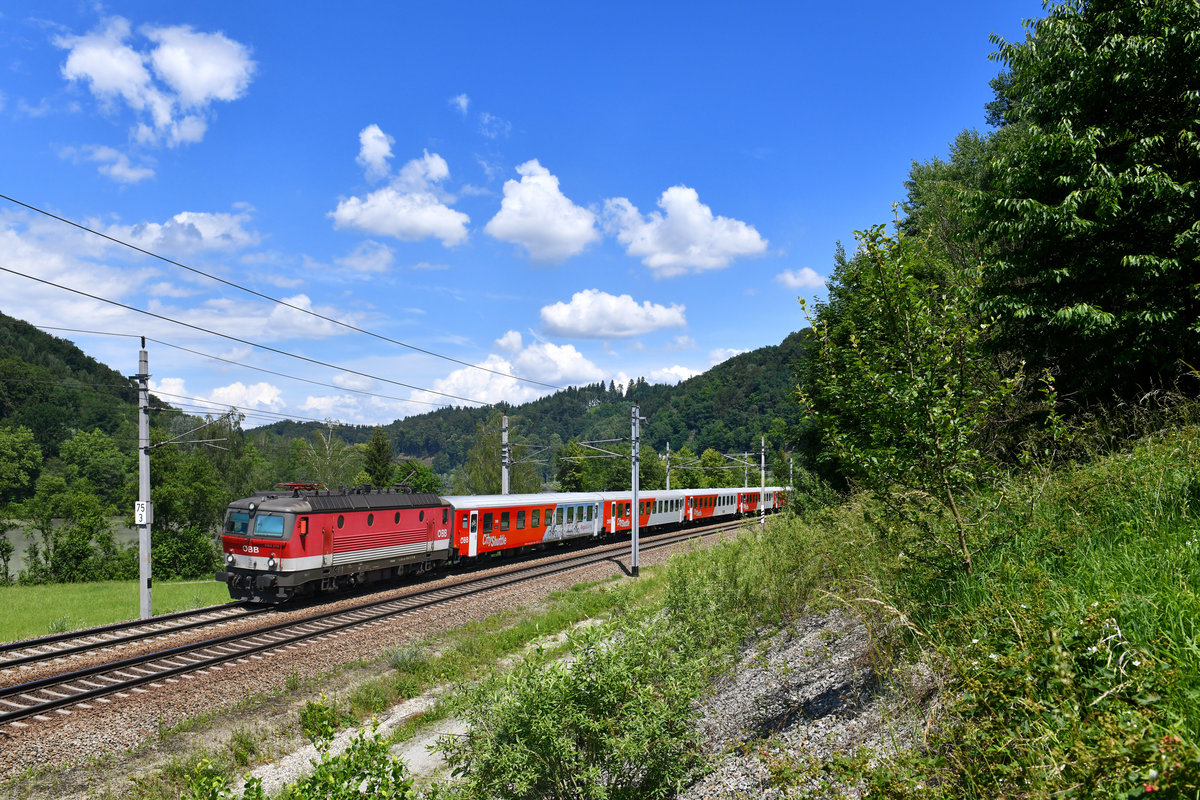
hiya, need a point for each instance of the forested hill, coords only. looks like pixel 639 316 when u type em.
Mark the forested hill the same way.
pixel 726 408
pixel 51 387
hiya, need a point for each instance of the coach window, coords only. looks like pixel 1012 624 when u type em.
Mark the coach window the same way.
pixel 341 520
pixel 503 520
pixel 520 520
pixel 370 520
pixel 590 511
pixel 558 516
pixel 537 518
pixel 487 522
pixel 464 520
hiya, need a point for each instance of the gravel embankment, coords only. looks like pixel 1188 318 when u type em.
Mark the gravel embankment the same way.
pixel 800 698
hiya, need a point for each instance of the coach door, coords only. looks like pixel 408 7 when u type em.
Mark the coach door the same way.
pixel 473 544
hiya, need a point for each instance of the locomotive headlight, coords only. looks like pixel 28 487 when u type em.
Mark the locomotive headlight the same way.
pixel 271 562
pixel 229 559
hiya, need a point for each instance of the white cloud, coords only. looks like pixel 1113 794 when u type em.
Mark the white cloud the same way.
pixel 410 208
pixel 170 389
pixel 538 216
pixel 349 380
pixel 671 375
pixel 682 342
pixel 326 405
pixel 370 256
pixel 164 289
pixel 542 361
pixel 805 278
pixel 510 342
pixel 170 86
pixel 239 395
pixel 684 237
pixel 593 314
pixel 284 323
pixel 113 163
pixel 200 67
pixel 493 127
pixel 723 354
pixel 375 148
pixel 190 231
pixel 461 102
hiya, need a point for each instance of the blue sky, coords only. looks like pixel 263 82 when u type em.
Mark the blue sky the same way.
pixel 562 192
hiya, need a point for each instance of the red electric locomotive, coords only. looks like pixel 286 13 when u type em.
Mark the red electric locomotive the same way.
pixel 300 540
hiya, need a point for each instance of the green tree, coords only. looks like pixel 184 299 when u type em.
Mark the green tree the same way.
pixel 902 389
pixel 71 536
pixel 715 474
pixel 189 505
pixel 20 462
pixel 94 457
pixel 684 474
pixel 481 472
pixel 1091 212
pixel 327 459
pixel 377 461
pixel 418 476
pixel 570 472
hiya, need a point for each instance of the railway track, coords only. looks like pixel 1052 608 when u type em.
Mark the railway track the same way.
pixel 105 683
pixel 63 645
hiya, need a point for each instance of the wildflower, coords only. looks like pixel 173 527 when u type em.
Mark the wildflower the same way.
pixel 994 657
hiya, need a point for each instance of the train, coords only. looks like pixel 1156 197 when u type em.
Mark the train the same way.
pixel 301 540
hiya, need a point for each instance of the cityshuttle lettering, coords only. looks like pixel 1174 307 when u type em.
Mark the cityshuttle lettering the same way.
pixel 494 541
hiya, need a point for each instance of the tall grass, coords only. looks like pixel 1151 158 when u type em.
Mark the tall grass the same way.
pixel 1072 649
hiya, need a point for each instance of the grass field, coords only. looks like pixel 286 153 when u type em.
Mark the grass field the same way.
pixel 31 611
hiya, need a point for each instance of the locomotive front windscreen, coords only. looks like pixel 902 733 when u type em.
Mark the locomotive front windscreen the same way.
pixel 267 526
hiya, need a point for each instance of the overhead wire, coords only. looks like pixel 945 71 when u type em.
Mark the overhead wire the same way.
pixel 267 297
pixel 237 339
pixel 249 366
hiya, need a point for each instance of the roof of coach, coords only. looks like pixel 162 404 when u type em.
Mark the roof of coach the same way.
pixel 301 502
pixel 531 499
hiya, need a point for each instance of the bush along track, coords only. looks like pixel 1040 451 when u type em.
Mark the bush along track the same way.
pixel 1065 662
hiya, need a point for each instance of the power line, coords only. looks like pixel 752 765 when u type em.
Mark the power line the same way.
pixel 239 340
pixel 284 303
pixel 249 366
